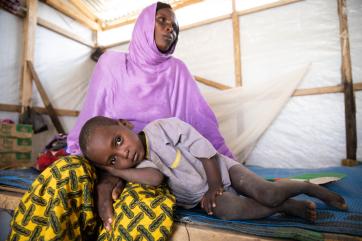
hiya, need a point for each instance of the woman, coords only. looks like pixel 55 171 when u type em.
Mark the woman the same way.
pixel 143 85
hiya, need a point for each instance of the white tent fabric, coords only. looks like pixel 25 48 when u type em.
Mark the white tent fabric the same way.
pixel 309 131
pixel 245 113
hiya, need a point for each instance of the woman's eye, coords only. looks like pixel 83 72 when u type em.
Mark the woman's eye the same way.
pixel 161 20
pixel 118 141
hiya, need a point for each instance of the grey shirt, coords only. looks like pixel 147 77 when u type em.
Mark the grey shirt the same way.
pixel 174 148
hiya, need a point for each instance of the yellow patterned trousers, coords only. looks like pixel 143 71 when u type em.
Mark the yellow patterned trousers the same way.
pixel 59 206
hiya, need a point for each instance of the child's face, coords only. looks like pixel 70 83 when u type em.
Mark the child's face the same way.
pixel 116 146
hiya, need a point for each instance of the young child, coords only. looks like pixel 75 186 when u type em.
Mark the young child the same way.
pixel 196 173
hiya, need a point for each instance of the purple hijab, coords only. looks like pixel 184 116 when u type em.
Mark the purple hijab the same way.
pixel 145 85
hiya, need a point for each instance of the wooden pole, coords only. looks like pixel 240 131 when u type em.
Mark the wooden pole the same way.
pixel 236 38
pixel 83 8
pixel 28 53
pixel 221 18
pixel 41 110
pixel 131 19
pixel 71 11
pixel 211 83
pixel 65 33
pixel 349 99
pixel 298 92
pixel 325 90
pixel 52 114
pixel 266 7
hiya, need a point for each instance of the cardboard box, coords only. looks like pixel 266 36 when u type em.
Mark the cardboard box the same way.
pixel 12 144
pixel 16 130
pixel 15 159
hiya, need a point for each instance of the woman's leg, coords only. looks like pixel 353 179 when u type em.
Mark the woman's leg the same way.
pixel 274 193
pixel 142 211
pixel 230 206
pixel 59 204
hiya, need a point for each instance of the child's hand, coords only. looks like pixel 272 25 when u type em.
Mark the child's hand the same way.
pixel 208 200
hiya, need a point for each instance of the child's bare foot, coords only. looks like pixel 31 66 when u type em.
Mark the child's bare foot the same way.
pixel 286 188
pixel 331 198
pixel 302 209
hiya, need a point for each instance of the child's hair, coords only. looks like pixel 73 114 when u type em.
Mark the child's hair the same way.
pixel 89 127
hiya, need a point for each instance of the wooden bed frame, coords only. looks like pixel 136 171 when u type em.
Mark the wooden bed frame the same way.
pixel 187 232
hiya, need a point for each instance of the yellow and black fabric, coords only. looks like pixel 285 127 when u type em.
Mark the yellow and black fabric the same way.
pixel 59 206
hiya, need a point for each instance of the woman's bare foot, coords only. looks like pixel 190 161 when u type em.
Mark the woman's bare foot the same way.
pixel 303 209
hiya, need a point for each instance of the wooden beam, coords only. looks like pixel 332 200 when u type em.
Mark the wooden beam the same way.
pixel 83 8
pixel 325 90
pixel 182 28
pixel 10 200
pixel 186 27
pixel 52 114
pixel 184 3
pixel 50 26
pixel 236 39
pixel 41 110
pixel 266 7
pixel 211 83
pixel 20 13
pixel 104 47
pixel 53 27
pixel 131 19
pixel 218 19
pixel 299 92
pixel 72 12
pixel 28 53
pixel 346 72
pixel 207 21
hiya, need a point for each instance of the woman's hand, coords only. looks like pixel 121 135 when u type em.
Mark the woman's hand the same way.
pixel 208 202
pixel 107 188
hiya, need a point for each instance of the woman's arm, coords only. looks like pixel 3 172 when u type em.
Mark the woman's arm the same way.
pixel 146 175
pixel 107 187
pixel 188 104
pixel 98 101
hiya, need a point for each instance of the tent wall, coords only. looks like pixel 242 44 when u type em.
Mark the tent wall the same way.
pixel 310 131
pixel 63 66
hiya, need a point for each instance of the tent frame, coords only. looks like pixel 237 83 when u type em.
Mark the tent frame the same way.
pixel 347 86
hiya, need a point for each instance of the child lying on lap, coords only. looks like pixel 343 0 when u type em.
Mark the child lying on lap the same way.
pixel 194 170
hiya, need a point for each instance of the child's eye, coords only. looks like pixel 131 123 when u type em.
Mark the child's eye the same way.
pixel 118 141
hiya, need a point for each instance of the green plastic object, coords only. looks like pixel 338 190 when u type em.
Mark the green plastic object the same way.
pixel 316 178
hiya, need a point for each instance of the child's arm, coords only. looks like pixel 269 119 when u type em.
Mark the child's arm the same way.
pixel 215 184
pixel 146 175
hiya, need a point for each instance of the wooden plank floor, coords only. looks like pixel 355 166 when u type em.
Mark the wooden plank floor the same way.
pixel 192 232
pixel 182 232
pixel 186 232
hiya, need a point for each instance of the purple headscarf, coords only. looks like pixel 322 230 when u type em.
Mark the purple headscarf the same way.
pixel 145 85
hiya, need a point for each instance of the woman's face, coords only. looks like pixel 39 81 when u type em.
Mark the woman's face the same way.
pixel 165 29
